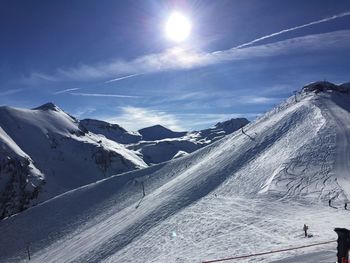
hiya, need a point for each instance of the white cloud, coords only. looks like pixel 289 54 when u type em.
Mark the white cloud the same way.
pixel 180 59
pixel 172 59
pixel 277 89
pixel 258 100
pixel 10 92
pixel 83 111
pixel 133 118
pixel 37 77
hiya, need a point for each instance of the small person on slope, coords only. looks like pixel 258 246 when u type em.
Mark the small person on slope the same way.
pixel 305 229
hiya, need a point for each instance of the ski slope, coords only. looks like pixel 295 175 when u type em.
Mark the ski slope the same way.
pixel 249 192
pixel 339 114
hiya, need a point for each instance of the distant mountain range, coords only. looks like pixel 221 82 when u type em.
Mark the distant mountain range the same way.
pixel 45 152
pixel 158 144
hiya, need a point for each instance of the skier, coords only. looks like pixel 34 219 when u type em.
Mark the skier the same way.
pixel 329 202
pixel 305 229
pixel 346 206
pixel 143 190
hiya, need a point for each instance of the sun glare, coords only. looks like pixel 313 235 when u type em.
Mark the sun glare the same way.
pixel 178 27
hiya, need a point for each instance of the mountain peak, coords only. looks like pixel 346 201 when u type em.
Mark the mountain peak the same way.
pixel 156 127
pixel 159 132
pixel 324 86
pixel 48 106
pixel 102 124
pixel 232 125
pixel 345 85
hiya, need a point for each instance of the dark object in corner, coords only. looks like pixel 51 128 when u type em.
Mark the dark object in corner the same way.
pixel 343 244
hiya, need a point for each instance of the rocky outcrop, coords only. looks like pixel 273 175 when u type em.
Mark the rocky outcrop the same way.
pixel 19 191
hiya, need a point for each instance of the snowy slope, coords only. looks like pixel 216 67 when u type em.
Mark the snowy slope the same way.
pixel 250 192
pixel 113 132
pixel 56 149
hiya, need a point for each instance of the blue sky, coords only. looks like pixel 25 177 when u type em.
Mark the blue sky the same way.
pixel 111 60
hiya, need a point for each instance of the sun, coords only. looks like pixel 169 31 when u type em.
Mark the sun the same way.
pixel 178 27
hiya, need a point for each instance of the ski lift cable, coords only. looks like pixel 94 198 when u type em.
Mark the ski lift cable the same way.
pixel 268 252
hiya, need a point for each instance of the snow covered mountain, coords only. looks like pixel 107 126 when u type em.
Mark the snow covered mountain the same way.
pixel 158 132
pixel 46 152
pixel 179 144
pixel 158 144
pixel 249 192
pixel 113 132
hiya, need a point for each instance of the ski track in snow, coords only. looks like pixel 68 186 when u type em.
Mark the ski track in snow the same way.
pixel 247 193
pixel 341 117
pixel 227 228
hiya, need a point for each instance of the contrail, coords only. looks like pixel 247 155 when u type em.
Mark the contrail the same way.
pixel 65 90
pixel 293 29
pixel 102 95
pixel 125 77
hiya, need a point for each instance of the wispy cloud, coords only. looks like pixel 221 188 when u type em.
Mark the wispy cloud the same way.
pixel 37 77
pixel 203 101
pixel 65 91
pixel 10 92
pixel 278 89
pixel 258 100
pixel 177 59
pixel 102 95
pixel 83 111
pixel 180 59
